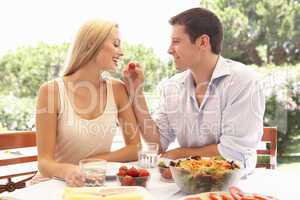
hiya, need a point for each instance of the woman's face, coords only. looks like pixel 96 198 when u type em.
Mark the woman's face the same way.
pixel 108 57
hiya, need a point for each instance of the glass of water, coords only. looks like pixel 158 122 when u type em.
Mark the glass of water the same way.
pixel 148 155
pixel 94 171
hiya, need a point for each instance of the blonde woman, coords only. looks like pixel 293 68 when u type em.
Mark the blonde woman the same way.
pixel 77 113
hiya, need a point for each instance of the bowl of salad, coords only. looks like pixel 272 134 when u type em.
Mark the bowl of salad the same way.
pixel 196 174
pixel 164 171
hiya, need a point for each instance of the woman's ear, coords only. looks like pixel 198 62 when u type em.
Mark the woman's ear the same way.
pixel 202 42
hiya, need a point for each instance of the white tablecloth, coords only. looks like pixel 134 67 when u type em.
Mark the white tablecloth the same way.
pixel 284 185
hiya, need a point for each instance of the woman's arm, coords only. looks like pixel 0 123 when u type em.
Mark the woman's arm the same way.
pixel 46 123
pixel 128 123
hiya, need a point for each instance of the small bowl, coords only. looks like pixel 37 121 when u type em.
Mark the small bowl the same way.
pixel 165 174
pixel 133 181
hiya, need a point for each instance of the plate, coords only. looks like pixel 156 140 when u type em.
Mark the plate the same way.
pixel 106 193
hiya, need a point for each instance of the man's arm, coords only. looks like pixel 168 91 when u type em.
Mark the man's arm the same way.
pixel 134 81
pixel 209 150
pixel 147 125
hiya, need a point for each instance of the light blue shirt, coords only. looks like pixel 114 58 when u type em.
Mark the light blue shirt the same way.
pixel 230 115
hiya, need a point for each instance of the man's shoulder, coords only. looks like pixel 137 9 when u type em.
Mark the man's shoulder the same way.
pixel 241 72
pixel 173 83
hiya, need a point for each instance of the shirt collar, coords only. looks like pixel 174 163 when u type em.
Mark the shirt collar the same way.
pixel 220 70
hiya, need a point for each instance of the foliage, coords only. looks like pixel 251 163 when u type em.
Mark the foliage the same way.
pixel 23 71
pixel 283 111
pixel 17 113
pixel 249 25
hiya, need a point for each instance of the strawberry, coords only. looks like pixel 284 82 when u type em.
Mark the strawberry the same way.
pixel 123 168
pixel 131 66
pixel 143 172
pixel 132 172
pixel 127 181
pixel 122 172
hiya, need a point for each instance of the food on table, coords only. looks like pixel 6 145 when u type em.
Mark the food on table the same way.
pixel 196 174
pixel 233 194
pixel 165 171
pixel 102 193
pixel 133 176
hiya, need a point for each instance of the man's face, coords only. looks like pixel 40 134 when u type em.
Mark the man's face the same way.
pixel 184 52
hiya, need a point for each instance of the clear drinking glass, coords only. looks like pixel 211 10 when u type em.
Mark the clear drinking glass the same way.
pixel 94 171
pixel 148 155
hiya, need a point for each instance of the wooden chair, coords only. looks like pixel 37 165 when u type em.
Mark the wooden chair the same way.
pixel 14 140
pixel 270 138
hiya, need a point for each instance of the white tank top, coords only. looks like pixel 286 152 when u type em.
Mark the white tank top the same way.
pixel 79 138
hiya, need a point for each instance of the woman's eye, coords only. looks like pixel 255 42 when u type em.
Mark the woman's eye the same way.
pixel 117 44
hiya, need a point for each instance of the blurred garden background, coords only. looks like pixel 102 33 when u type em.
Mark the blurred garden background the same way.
pixel 264 34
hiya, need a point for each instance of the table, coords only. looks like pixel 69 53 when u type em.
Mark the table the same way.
pixel 282 184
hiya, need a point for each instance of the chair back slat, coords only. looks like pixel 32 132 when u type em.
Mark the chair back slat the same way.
pixel 15 140
pixel 269 136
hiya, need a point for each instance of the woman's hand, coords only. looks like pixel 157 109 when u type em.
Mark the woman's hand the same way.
pixel 75 178
pixel 133 77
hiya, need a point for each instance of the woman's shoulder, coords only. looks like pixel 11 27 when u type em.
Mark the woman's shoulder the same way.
pixel 119 90
pixel 118 85
pixel 48 95
pixel 49 87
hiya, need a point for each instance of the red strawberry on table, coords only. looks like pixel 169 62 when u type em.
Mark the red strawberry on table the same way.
pixel 143 172
pixel 123 168
pixel 127 181
pixel 132 172
pixel 122 172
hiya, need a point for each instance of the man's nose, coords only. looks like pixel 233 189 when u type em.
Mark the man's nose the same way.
pixel 170 50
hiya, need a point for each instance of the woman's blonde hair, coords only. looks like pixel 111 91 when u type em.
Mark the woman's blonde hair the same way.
pixel 88 42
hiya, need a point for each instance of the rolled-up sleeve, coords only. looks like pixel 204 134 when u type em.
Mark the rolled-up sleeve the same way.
pixel 242 123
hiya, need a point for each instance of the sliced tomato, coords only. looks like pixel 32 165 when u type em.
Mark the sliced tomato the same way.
pixel 236 193
pixel 213 196
pixel 262 197
pixel 192 198
pixel 248 197
pixel 226 196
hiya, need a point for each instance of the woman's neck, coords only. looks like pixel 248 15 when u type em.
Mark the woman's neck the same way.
pixel 88 73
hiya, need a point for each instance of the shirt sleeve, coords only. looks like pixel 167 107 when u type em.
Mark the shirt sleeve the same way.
pixel 160 116
pixel 242 123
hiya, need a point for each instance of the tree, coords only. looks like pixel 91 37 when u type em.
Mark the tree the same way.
pixel 251 24
pixel 23 71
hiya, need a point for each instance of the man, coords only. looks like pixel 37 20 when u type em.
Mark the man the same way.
pixel 213 107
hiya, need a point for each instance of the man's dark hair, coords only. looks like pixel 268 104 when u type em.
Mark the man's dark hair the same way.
pixel 199 21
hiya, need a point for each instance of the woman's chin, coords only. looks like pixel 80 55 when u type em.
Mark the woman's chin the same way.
pixel 111 69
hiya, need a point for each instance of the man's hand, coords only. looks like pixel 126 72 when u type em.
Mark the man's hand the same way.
pixel 172 154
pixel 184 152
pixel 133 77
